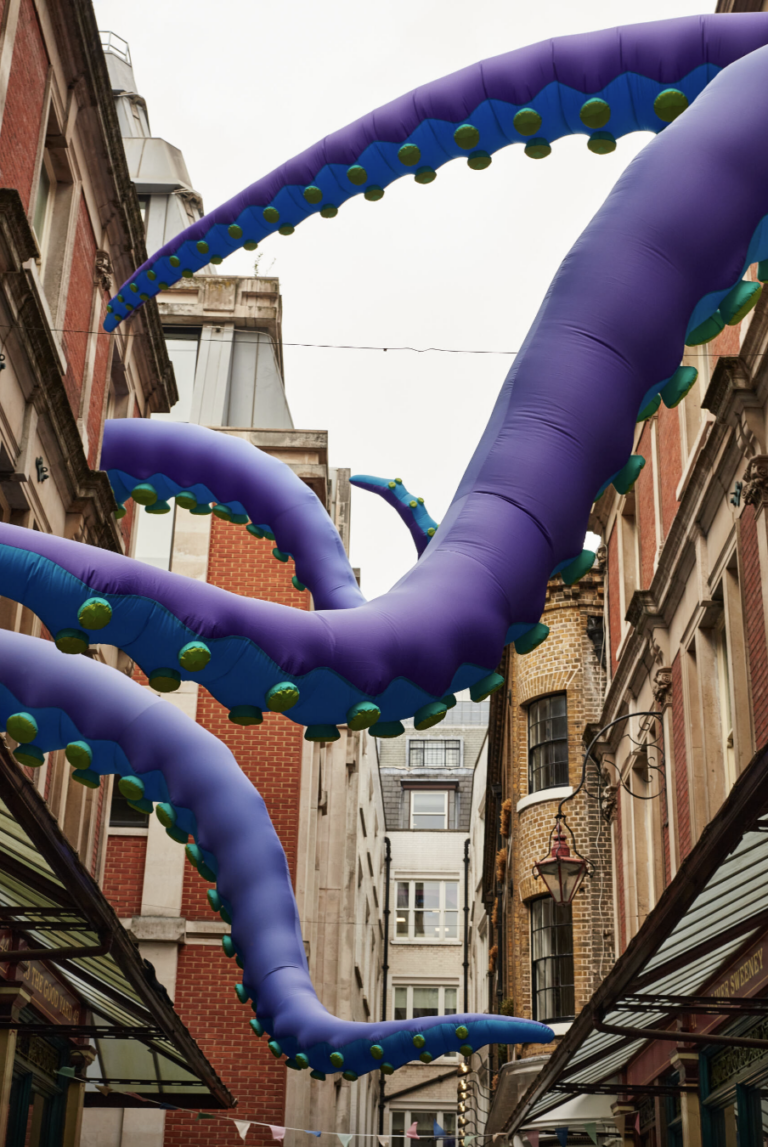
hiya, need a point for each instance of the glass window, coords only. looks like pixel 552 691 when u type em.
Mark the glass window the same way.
pixel 121 815
pixel 413 1002
pixel 429 810
pixel 434 754
pixel 547 743
pixel 41 203
pixel 425 1123
pixel 552 960
pixel 427 910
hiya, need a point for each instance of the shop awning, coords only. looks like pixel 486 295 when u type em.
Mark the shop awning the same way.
pixel 715 908
pixel 61 940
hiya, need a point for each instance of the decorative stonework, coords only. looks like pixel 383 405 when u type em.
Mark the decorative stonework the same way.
pixel 755 489
pixel 102 271
pixel 662 685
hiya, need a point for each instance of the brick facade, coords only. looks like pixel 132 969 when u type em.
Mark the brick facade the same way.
pixel 124 873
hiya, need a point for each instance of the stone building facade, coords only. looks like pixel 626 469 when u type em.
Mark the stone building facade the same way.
pixel 545 962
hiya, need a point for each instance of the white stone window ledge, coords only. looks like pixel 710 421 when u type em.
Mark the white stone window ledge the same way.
pixel 561 1028
pixel 555 794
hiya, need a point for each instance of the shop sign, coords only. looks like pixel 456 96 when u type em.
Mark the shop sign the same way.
pixel 729 1062
pixel 50 996
pixel 746 977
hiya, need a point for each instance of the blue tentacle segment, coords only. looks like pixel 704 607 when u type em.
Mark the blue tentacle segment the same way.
pixel 601 85
pixel 107 723
pixel 411 509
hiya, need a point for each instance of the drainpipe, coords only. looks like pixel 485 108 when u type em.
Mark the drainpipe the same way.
pixel 385 968
pixel 466 925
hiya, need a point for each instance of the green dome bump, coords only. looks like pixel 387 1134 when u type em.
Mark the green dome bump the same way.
pixel 80 755
pixel 178 835
pixel 409 154
pixel 466 1049
pixel 301 1060
pixel 413 503
pixel 527 121
pixel 201 510
pixel 678 386
pixel 387 729
pixel 158 508
pixel 202 246
pixel 151 276
pixel 479 160
pixel 72 641
pixel 601 143
pixel 431 531
pixel 110 309
pixel 235 231
pixel 86 777
pixel 628 475
pixel 242 993
pixel 650 409
pixel 268 534
pixel 321 733
pixel 144 493
pixel 669 104
pixel 166 814
pixel 362 715
pixel 337 1059
pixel 466 136
pixel 143 806
pixel 482 689
pixel 425 1057
pixel 312 194
pixel 595 114
pixel 739 302
pixel 271 214
pixel 374 193
pixel 165 680
pixel 194 855
pixel 250 245
pixel 286 229
pixel 257 1027
pixel 282 697
pixel 532 639
pixel 194 656
pixel 419 1041
pixel 281 557
pixel 425 175
pixel 762 271
pixel 377 1051
pixel 350 1075
pixel 706 331
pixel 144 298
pixel 317 1075
pixel 222 511
pixel 164 286
pixel 22 727
pixel 128 306
pixel 186 499
pixel 387 1069
pixel 120 512
pixel 357 174
pixel 254 530
pixel 429 715
pixel 134 287
pixel 29 755
pixel 246 715
pixel 578 567
pixel 228 946
pixel 175 261
pixel 299 585
pixel 120 299
pixel 214 900
pixel 216 260
pixel 131 787
pixel 462 1032
pixel 222 912
pixel 538 148
pixel 187 273
pixel 275 1048
pixel 329 211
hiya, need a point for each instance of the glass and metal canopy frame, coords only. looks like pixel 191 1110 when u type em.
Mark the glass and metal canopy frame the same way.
pixel 714 908
pixel 57 914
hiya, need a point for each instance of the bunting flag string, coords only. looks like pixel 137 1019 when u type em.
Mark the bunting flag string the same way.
pixel 278 1133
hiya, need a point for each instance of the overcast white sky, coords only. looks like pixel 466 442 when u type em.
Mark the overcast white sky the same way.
pixel 242 85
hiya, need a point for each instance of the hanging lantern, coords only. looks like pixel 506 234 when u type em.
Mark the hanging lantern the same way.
pixel 562 872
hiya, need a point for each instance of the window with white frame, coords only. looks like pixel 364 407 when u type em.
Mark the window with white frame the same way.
pixel 435 753
pixel 425 1124
pixel 46 193
pixel 427 910
pixel 429 810
pixel 415 1002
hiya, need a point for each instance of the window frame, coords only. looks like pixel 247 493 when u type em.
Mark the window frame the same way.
pixel 46 165
pixel 435 741
pixel 554 956
pixel 559 782
pixel 411 910
pixel 412 813
pixel 442 987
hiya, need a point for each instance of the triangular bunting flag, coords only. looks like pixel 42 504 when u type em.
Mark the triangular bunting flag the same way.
pixel 344 1139
pixel 384 1140
pixel 562 1135
pixel 277 1133
pixel 437 1130
pixel 517 1141
pixel 533 1138
pixel 591 1130
pixel 469 1138
pixel 412 1133
pixel 243 1127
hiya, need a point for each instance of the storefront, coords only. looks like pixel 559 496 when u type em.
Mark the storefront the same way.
pixel 83 1022
pixel 677 1034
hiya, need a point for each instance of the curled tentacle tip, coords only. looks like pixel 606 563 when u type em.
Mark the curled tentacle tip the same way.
pixel 22 727
pixel 487 685
pixel 282 696
pixel 144 493
pixel 30 755
pixel 72 641
pixel 321 733
pixel 194 656
pixel 532 639
pixel 363 715
pixel 246 715
pixel 80 755
pixel 165 680
pixel 94 613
